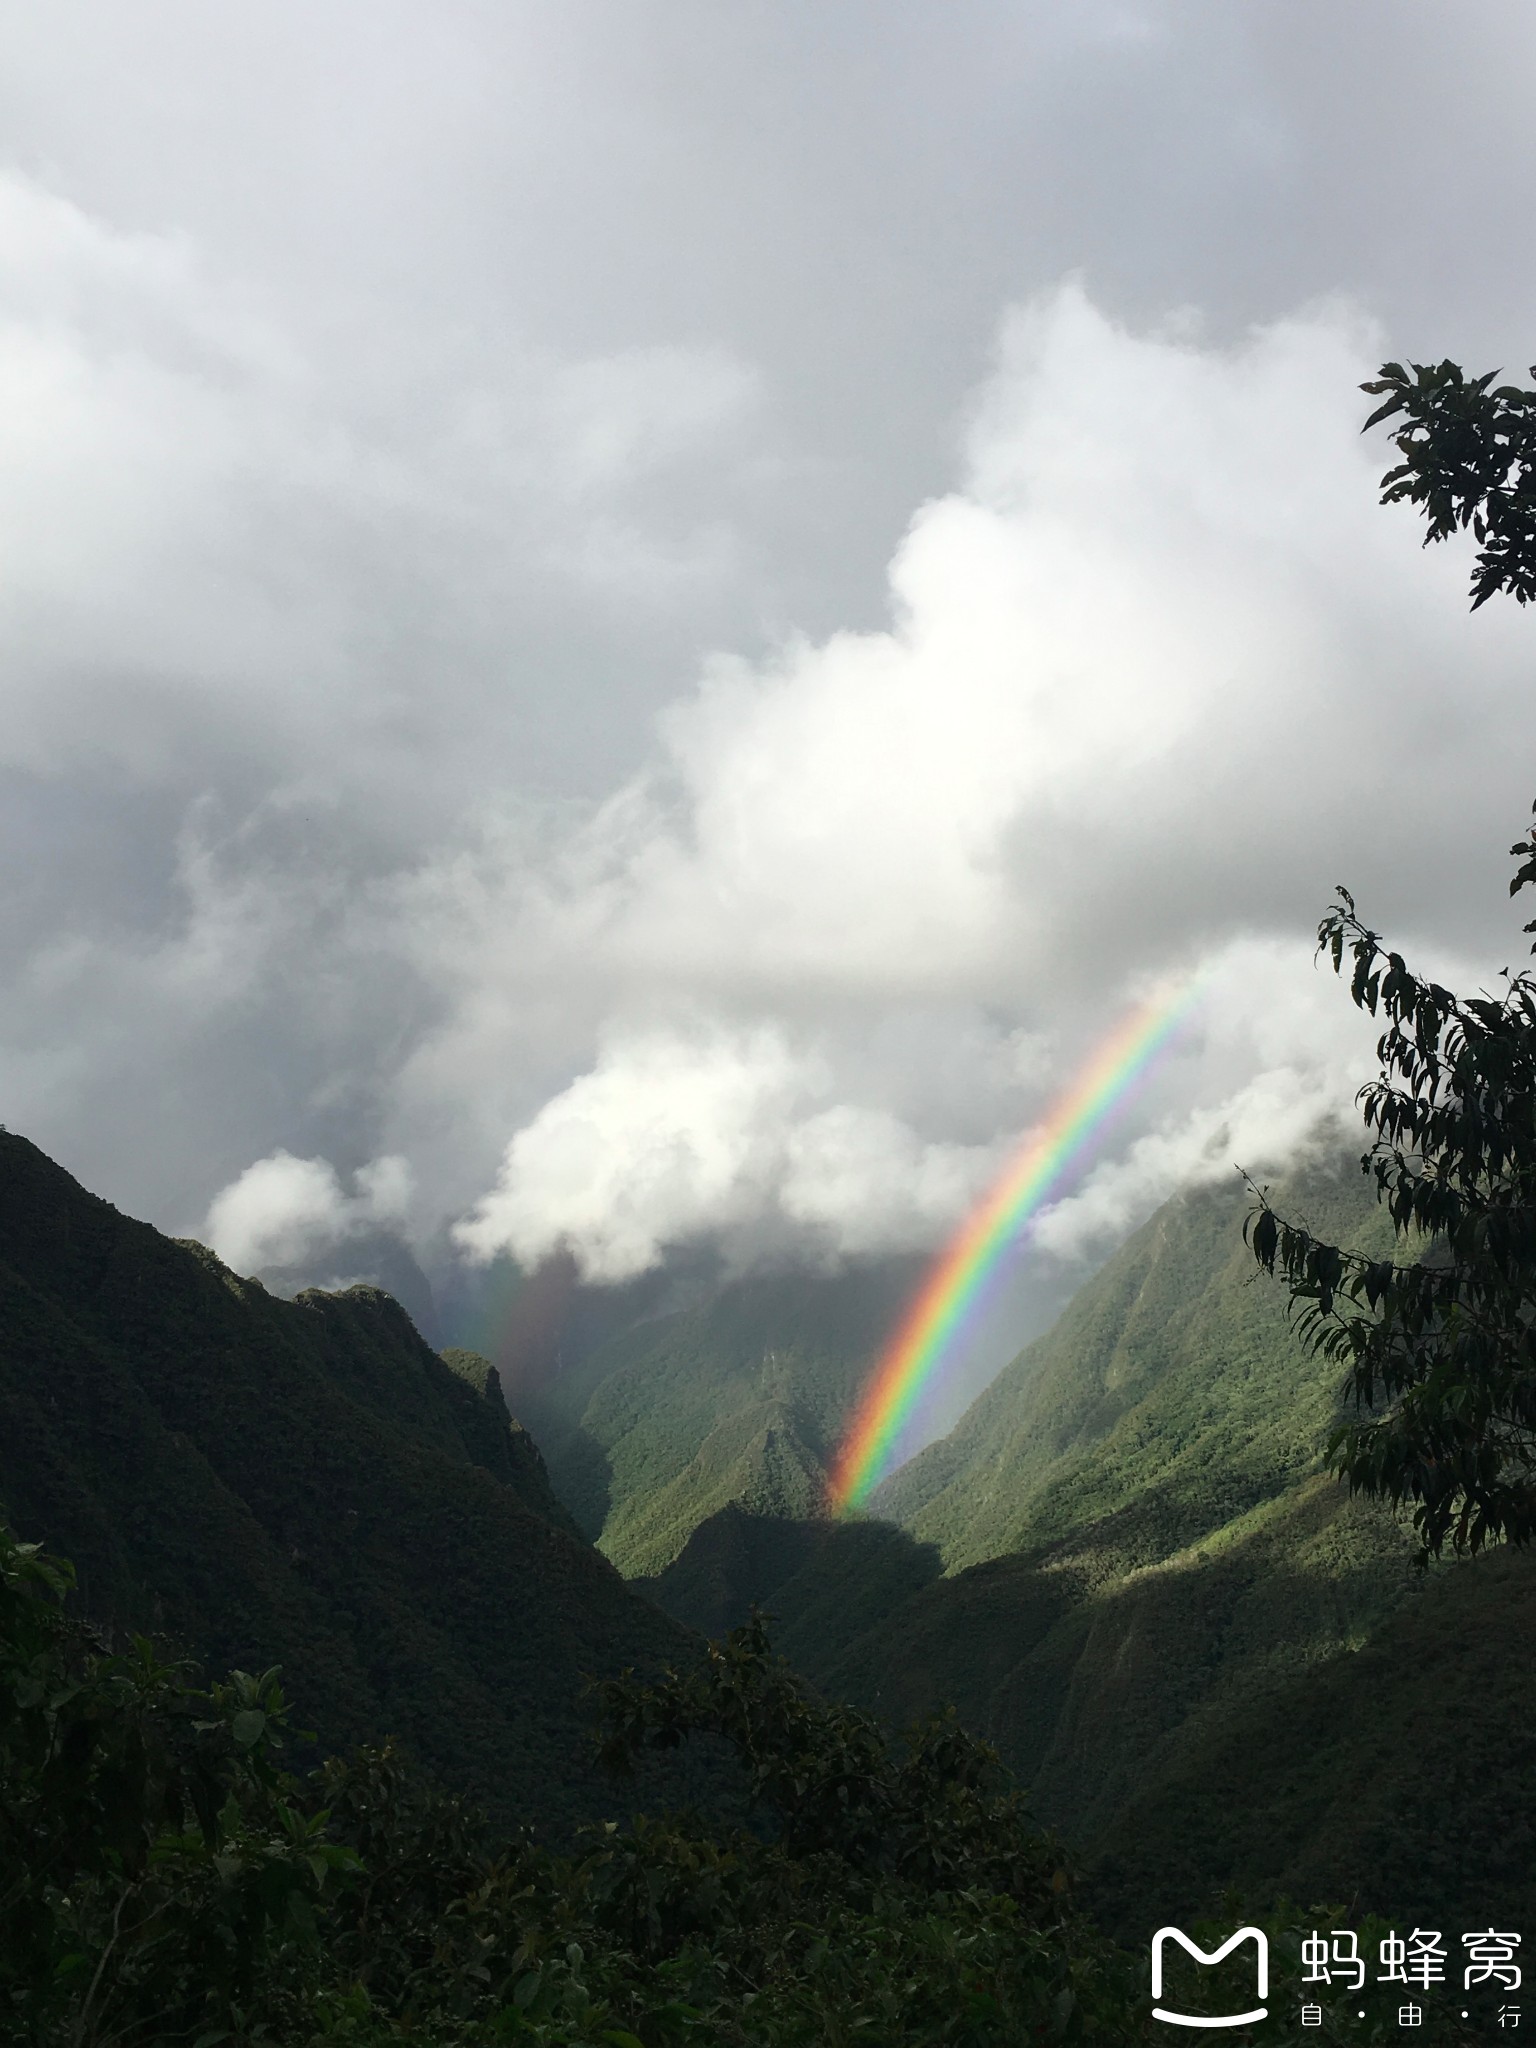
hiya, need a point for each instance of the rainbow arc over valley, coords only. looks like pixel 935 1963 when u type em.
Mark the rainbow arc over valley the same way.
pixel 958 1281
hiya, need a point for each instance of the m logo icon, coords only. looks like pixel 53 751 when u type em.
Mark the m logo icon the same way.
pixel 1217 1955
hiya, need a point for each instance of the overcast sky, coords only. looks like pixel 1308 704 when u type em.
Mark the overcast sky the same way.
pixel 634 621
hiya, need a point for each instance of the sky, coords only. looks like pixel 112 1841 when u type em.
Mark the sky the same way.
pixel 627 628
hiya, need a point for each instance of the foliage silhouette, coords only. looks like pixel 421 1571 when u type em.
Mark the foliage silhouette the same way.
pixel 1468 459
pixel 1440 1350
pixel 155 1876
pixel 163 1878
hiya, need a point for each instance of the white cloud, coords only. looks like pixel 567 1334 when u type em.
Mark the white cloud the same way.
pixel 391 424
pixel 667 1138
pixel 1126 721
pixel 680 1134
pixel 282 1210
pixel 709 1133
pixel 1264 1126
pixel 863 1181
pixel 1135 671
pixel 1156 671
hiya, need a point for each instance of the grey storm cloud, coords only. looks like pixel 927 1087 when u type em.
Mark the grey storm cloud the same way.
pixel 624 626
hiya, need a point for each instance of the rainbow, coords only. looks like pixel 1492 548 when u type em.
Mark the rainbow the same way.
pixel 958 1281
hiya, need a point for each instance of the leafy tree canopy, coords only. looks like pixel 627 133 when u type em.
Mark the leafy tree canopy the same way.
pixel 1440 1349
pixel 163 1878
pixel 1468 452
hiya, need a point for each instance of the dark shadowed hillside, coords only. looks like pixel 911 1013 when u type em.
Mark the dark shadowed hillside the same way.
pixel 1402 1776
pixel 818 1578
pixel 303 1483
pixel 1135 1517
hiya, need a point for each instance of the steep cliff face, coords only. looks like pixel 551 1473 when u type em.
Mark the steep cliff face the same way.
pixel 304 1483
pixel 526 1472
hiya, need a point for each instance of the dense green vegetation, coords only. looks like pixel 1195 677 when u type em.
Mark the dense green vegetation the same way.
pixel 1144 1547
pixel 162 1877
pixel 302 1483
pixel 1170 1618
pixel 1209 1665
pixel 827 1582
pixel 1437 1348
pixel 1404 1773
pixel 1169 1401
pixel 1129 1567
pixel 739 1399
pixel 526 1464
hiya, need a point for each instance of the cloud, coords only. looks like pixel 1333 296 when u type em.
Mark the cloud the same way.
pixel 1155 672
pixel 1125 655
pixel 1279 1116
pixel 283 1210
pixel 548 601
pixel 1151 670
pixel 237 548
pixel 667 1138
pixel 680 1135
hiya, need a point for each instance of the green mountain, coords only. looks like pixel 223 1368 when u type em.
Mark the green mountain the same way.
pixel 1127 1568
pixel 736 1400
pixel 1134 1517
pixel 525 1467
pixel 1169 1400
pixel 303 1483
pixel 821 1579
pixel 1401 1776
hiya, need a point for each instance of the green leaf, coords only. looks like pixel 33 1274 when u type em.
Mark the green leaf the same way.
pixel 248 1726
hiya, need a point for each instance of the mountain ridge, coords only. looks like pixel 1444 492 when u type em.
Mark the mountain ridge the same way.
pixel 304 1483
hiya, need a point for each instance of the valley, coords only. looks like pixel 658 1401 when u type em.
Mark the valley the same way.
pixel 1215 1675
pixel 1125 1567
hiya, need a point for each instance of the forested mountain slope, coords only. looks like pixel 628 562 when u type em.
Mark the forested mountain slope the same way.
pixel 1135 1517
pixel 737 1400
pixel 303 1483
pixel 1164 1577
pixel 825 1582
pixel 1168 1400
pixel 1403 1776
